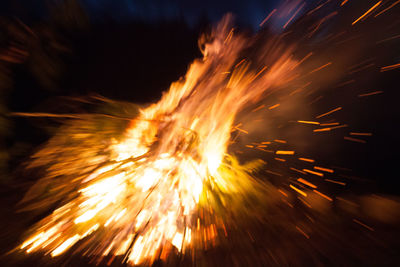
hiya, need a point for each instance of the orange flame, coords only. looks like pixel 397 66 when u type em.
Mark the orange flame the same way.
pixel 148 193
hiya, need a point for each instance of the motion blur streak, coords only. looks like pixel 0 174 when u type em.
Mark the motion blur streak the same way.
pixel 252 157
pixel 144 195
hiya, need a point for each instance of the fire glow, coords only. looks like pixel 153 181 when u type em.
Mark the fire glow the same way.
pixel 143 198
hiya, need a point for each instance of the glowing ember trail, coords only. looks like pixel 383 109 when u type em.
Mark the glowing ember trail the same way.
pixel 146 194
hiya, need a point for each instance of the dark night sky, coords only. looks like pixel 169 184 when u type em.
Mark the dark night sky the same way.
pixel 250 12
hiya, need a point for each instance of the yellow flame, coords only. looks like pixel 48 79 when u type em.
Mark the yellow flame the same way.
pixel 148 194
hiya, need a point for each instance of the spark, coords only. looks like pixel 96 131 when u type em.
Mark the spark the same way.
pixel 346 83
pixel 287 203
pixel 296 170
pixel 321 67
pixel 390 67
pixel 265 150
pixel 372 93
pixel 298 190
pixel 361 134
pixel 313 172
pixel 301 180
pixel 294 15
pixel 309 122
pixel 323 169
pixel 386 9
pixel 354 139
pixel 283 193
pixel 241 130
pixel 305 202
pixel 318 7
pixel 258 108
pixel 388 39
pixel 323 195
pixel 228 38
pixel 301 61
pixel 362 68
pixel 366 13
pixel 322 130
pixel 307 160
pixel 329 112
pixel 240 62
pixel 284 152
pixel 339 126
pixel 267 18
pixel 302 232
pixel 335 182
pixel 329 124
pixel 363 224
pixel 259 73
pixel 274 173
pixel 274 106
pixel 344 2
